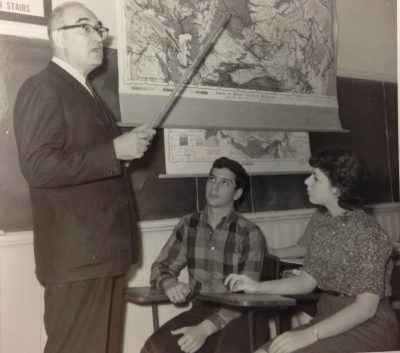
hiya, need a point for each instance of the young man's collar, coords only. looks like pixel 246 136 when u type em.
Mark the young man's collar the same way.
pixel 229 218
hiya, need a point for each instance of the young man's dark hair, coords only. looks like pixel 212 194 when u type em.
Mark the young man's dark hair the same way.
pixel 241 176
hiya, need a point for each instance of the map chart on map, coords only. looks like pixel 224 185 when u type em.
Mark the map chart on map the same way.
pixel 192 151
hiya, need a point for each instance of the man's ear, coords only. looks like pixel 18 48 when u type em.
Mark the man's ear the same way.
pixel 238 193
pixel 336 191
pixel 57 39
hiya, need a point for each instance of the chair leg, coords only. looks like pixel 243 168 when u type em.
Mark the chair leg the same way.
pixel 251 329
pixel 154 310
pixel 278 323
pixel 272 327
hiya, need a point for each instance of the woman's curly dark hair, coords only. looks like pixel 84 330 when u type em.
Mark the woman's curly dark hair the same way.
pixel 347 172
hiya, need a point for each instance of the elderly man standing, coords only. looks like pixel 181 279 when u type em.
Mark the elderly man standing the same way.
pixel 72 156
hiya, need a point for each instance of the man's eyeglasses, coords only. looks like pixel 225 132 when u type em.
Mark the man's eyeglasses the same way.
pixel 88 29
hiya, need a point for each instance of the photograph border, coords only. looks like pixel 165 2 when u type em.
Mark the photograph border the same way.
pixel 39 20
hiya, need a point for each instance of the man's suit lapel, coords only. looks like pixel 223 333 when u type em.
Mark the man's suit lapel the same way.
pixel 104 111
pixel 96 102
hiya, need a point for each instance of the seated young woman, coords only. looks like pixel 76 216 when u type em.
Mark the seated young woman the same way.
pixel 348 259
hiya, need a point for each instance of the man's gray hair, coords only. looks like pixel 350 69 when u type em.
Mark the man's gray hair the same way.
pixel 57 14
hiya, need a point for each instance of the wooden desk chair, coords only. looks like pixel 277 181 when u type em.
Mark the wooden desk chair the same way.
pixel 146 296
pixel 271 270
pixel 251 303
pixel 395 283
pixel 258 302
pixel 271 267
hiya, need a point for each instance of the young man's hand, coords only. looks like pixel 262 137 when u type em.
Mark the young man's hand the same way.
pixel 177 292
pixel 193 336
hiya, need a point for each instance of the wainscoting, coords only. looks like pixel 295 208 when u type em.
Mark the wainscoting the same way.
pixel 21 296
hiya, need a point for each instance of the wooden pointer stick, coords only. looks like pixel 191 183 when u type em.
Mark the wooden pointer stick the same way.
pixel 189 72
pixel 188 75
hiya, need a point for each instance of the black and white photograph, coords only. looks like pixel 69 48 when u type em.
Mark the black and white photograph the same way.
pixel 209 176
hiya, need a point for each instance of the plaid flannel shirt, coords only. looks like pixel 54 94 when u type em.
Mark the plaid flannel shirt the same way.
pixel 235 246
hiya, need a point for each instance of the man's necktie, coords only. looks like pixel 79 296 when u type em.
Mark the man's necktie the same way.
pixel 105 115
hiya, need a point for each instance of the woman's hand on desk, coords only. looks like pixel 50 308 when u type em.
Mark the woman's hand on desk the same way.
pixel 301 284
pixel 291 341
pixel 238 283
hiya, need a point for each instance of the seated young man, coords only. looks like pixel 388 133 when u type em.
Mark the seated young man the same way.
pixel 211 243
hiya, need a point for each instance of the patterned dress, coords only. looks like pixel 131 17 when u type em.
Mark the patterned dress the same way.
pixel 350 254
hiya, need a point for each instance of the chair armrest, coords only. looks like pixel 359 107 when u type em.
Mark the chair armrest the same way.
pixel 145 295
pixel 313 296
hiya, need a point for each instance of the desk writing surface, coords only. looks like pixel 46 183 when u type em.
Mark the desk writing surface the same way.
pixel 293 261
pixel 313 296
pixel 248 300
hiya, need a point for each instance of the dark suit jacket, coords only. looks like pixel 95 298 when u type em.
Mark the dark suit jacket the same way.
pixel 83 216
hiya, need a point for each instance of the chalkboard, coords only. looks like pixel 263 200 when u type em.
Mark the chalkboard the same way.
pixel 20 58
pixel 367 108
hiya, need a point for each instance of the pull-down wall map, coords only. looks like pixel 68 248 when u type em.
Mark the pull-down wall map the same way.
pixel 273 67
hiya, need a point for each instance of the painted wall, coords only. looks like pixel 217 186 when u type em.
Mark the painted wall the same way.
pixel 367 39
